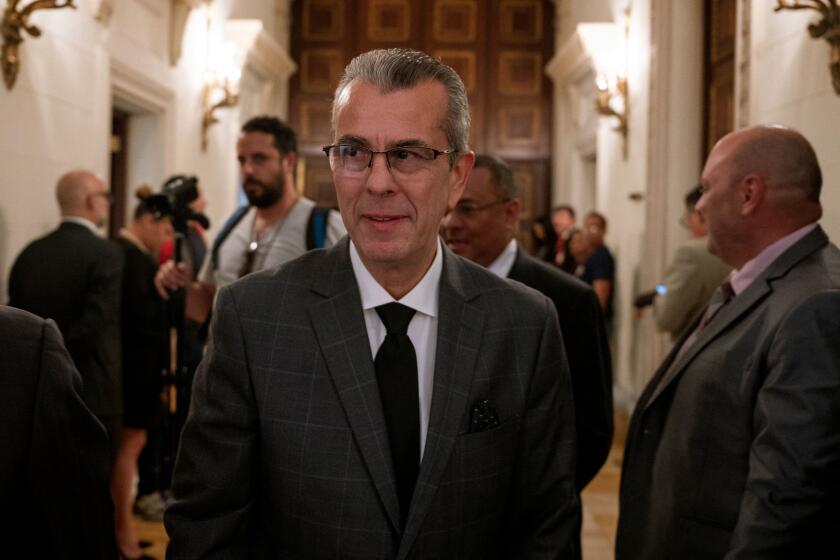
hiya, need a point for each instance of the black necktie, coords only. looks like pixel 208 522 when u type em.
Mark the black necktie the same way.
pixel 396 374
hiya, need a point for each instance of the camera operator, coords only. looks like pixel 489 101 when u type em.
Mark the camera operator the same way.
pixel 186 196
pixel 155 462
pixel 278 225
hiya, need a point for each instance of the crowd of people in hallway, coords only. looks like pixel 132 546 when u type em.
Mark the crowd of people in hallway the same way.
pixel 399 378
pixel 581 252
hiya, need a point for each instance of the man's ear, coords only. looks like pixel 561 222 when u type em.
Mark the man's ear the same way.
pixel 458 176
pixel 290 162
pixel 753 189
pixel 512 210
pixel 90 204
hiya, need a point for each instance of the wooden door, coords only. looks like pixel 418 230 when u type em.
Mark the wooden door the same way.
pixel 498 47
pixel 119 169
pixel 719 71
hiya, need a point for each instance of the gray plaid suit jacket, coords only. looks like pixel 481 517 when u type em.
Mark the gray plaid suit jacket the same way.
pixel 285 452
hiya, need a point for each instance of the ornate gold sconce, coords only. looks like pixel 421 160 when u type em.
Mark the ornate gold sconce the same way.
pixel 217 95
pixel 15 21
pixel 828 27
pixel 221 77
pixel 608 50
pixel 605 106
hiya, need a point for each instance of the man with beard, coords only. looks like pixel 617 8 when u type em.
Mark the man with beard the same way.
pixel 271 230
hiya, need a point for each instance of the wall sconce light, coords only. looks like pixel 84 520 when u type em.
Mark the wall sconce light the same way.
pixel 828 27
pixel 218 94
pixel 606 106
pixel 608 51
pixel 16 21
pixel 221 77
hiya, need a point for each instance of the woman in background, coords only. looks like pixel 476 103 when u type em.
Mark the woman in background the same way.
pixel 144 341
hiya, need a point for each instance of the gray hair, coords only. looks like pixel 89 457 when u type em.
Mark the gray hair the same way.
pixel 397 69
pixel 503 184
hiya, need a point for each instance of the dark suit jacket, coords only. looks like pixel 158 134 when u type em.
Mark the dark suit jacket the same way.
pixel 73 277
pixel 285 453
pixel 588 351
pixel 54 463
pixel 145 338
pixel 739 456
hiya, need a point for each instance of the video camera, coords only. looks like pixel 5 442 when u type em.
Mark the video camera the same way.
pixel 181 190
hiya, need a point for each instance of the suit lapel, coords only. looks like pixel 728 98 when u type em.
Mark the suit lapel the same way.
pixel 731 313
pixel 339 326
pixel 521 271
pixel 460 327
pixel 725 317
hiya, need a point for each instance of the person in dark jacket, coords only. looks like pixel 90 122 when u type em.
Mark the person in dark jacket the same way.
pixel 54 458
pixel 482 227
pixel 72 276
pixel 144 328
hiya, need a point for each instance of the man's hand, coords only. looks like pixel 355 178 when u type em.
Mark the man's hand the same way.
pixel 644 300
pixel 171 276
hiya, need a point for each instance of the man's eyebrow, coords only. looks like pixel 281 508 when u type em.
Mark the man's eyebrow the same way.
pixel 409 142
pixel 350 139
pixel 359 141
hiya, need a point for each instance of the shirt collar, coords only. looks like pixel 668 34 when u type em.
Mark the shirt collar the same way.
pixel 134 240
pixel 422 298
pixel 504 262
pixel 752 269
pixel 82 222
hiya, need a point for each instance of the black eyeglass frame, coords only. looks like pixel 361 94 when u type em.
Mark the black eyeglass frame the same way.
pixel 107 195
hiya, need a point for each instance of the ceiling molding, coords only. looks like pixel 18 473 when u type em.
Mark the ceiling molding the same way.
pixel 178 17
pixel 261 53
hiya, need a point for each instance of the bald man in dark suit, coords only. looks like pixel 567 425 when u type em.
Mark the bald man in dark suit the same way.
pixel 733 450
pixel 72 276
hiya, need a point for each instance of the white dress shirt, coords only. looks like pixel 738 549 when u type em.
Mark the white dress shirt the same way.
pixel 82 222
pixel 422 330
pixel 741 279
pixel 502 264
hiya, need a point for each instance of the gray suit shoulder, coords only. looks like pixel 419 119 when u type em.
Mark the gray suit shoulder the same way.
pixel 524 301
pixel 818 271
pixel 829 261
pixel 288 286
pixel 17 324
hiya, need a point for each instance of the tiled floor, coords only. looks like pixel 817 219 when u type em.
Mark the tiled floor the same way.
pixel 600 508
pixel 154 532
pixel 600 501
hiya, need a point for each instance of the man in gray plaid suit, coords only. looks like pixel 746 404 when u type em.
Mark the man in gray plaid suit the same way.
pixel 295 446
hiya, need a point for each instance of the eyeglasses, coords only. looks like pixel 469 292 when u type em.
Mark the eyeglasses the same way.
pixel 405 160
pixel 104 194
pixel 470 209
